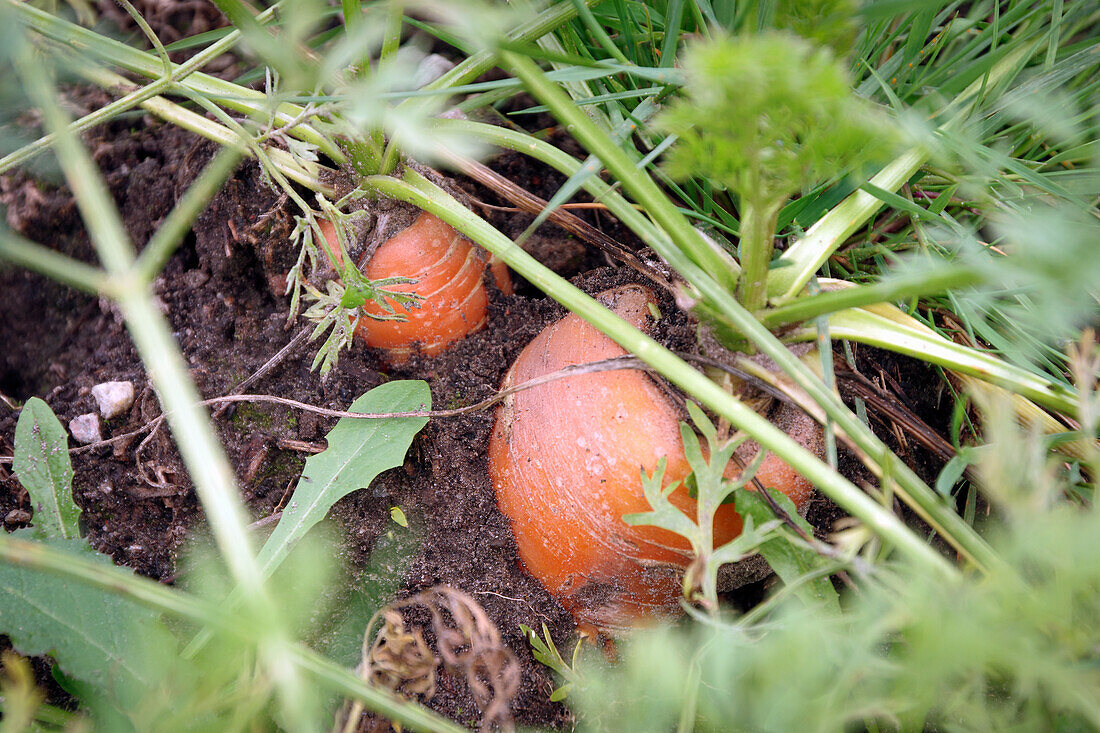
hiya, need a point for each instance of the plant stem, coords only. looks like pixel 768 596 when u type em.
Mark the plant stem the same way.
pixel 304 173
pixel 230 95
pixel 936 280
pixel 179 220
pixel 758 220
pixel 480 62
pixel 391 40
pixel 558 159
pixel 641 187
pixel 1010 377
pixel 180 604
pixel 806 256
pixel 53 264
pixel 353 15
pixel 201 451
pixel 886 327
pixel 135 97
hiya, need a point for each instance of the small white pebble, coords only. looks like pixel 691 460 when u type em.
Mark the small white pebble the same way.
pixel 113 398
pixel 431 67
pixel 85 428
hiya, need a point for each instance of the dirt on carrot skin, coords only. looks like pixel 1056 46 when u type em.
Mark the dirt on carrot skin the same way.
pixel 220 294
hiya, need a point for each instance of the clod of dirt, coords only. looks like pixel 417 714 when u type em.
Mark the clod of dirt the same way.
pixel 17 518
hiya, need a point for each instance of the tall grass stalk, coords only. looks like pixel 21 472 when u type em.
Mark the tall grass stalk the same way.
pixel 201 451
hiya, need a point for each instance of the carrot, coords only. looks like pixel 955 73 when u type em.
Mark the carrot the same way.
pixel 447 270
pixel 565 461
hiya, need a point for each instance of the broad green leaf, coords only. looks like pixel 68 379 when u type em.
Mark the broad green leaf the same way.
pixel 789 561
pixel 358 450
pixel 42 465
pixel 102 639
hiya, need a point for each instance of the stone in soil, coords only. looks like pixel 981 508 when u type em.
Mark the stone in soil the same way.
pixel 113 398
pixel 85 428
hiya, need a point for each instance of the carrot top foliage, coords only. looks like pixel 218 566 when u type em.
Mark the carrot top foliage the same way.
pixel 769 115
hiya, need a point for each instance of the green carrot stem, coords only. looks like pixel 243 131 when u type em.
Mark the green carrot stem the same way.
pixel 937 279
pixel 758 221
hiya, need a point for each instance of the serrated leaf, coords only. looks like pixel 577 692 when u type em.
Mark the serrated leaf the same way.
pixel 745 544
pixel 42 465
pixel 358 450
pixel 702 422
pixel 664 513
pixel 539 649
pixel 789 561
pixel 546 653
pixel 104 640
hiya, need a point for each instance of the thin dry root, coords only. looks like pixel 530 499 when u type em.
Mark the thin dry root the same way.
pixel 466 643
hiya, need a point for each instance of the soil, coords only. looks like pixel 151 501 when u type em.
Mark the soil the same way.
pixel 216 291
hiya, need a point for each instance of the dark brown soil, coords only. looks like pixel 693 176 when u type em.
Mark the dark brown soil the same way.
pixel 138 502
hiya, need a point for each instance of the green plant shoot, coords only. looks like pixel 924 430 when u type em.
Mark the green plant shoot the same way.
pixel 546 652
pixel 765 116
pixel 712 490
